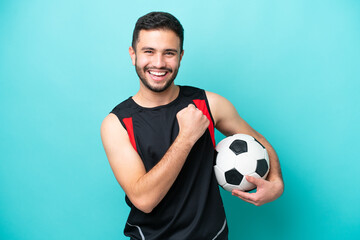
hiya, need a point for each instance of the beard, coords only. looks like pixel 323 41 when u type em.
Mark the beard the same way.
pixel 142 75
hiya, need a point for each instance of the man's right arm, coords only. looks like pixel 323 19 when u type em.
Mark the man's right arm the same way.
pixel 146 189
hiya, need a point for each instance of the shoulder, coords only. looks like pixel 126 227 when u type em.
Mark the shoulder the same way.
pixel 220 107
pixel 110 125
pixel 214 97
pixel 216 101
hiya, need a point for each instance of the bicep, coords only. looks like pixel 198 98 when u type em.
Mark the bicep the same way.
pixel 227 119
pixel 125 162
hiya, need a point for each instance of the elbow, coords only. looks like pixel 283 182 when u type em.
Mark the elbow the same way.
pixel 145 208
pixel 144 205
pixel 144 200
pixel 280 188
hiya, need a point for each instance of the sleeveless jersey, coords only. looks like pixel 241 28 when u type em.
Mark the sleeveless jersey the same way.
pixel 193 208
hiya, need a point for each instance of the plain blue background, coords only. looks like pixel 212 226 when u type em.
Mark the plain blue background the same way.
pixel 291 68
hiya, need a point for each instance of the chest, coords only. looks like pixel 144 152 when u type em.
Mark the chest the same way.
pixel 154 133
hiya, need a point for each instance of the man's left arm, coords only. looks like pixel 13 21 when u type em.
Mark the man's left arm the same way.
pixel 228 122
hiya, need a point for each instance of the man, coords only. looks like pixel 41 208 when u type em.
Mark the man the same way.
pixel 160 144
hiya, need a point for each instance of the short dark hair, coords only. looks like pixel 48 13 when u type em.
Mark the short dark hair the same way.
pixel 158 20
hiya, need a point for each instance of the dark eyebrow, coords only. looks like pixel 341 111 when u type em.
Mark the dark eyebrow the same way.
pixel 171 50
pixel 152 49
pixel 147 48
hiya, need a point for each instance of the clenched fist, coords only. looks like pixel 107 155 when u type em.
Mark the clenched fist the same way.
pixel 192 123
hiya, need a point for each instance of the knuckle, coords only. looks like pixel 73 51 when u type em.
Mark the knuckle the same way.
pixel 178 115
pixel 181 111
pixel 206 121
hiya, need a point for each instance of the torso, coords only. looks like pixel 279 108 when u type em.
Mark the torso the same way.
pixel 192 209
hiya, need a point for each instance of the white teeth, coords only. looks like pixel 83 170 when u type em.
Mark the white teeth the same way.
pixel 158 73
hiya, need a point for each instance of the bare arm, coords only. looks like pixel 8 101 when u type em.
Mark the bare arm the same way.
pixel 228 121
pixel 146 189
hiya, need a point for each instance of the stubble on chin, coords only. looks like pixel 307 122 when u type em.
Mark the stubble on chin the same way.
pixel 141 74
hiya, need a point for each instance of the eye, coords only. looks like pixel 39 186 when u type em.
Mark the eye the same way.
pixel 148 51
pixel 170 53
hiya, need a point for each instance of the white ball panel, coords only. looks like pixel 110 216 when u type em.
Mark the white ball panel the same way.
pixel 255 150
pixel 266 173
pixel 247 185
pixel 244 164
pixel 267 157
pixel 240 187
pixel 229 187
pixel 225 143
pixel 255 175
pixel 220 175
pixel 225 160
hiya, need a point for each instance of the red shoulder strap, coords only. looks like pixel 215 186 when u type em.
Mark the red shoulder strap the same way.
pixel 201 104
pixel 130 130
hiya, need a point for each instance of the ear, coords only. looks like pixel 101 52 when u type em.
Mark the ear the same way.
pixel 132 55
pixel 181 54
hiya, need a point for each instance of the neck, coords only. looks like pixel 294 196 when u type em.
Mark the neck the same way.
pixel 149 99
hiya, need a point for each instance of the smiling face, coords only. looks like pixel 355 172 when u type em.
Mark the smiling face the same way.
pixel 157 58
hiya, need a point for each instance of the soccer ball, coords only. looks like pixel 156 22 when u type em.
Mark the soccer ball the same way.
pixel 237 156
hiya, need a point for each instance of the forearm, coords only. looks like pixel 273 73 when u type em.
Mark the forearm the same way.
pixel 152 187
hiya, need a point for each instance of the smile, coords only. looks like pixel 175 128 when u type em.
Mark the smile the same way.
pixel 157 73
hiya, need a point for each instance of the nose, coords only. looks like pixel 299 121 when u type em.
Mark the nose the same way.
pixel 159 61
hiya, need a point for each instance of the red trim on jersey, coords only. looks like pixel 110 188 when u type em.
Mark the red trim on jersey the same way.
pixel 130 130
pixel 201 104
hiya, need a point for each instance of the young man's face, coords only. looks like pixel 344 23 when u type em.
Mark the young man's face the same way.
pixel 157 58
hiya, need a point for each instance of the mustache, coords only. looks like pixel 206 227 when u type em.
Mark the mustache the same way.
pixel 162 68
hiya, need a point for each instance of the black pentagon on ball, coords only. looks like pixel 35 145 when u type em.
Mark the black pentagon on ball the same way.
pixel 262 167
pixel 238 146
pixel 233 177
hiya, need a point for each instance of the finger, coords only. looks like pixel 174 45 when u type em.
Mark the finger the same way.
pixel 191 106
pixel 185 109
pixel 254 180
pixel 243 196
pixel 247 200
pixel 253 198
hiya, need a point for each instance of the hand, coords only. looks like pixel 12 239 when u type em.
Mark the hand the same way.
pixel 266 191
pixel 192 123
